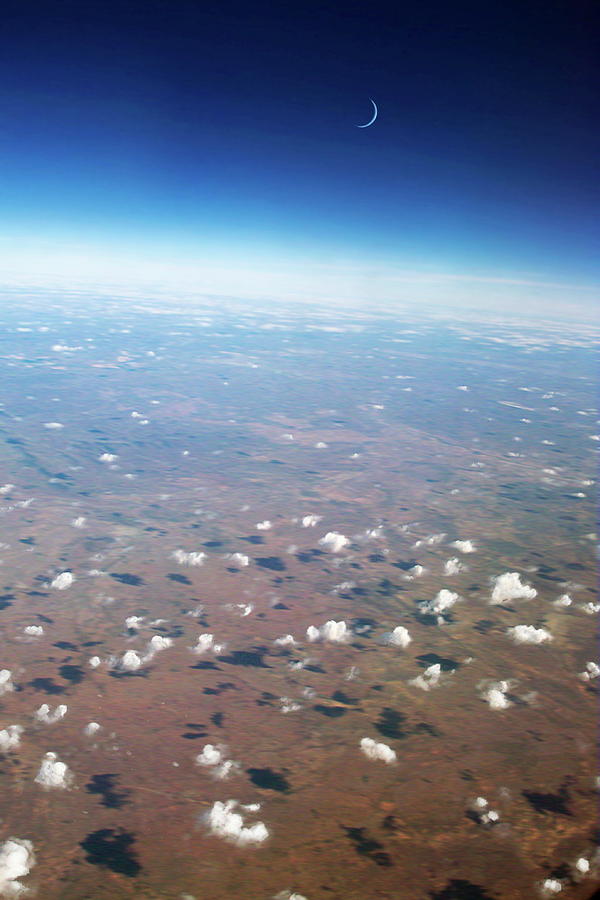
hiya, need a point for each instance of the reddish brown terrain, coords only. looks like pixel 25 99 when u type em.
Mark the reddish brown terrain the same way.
pixel 219 422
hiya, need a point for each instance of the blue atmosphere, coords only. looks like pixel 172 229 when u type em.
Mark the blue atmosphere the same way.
pixel 189 134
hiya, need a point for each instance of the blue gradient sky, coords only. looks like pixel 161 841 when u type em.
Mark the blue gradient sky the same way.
pixel 164 140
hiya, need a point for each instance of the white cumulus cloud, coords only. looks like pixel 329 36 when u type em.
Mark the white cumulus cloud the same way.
pixel 224 822
pixel 429 679
pixel 43 714
pixel 377 751
pixel 193 558
pixel 528 634
pixel 238 559
pixel 10 738
pixel 53 773
pixel 399 637
pixel 205 643
pixel 263 526
pixel 453 566
pixel 334 542
pixel 16 861
pixel 6 684
pixel 441 603
pixel 62 581
pixel 33 630
pixel 508 587
pixel 335 632
pixel 310 521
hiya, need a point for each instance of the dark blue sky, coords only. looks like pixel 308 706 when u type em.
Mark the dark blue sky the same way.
pixel 228 129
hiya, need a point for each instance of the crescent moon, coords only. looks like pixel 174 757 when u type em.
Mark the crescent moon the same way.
pixel 374 116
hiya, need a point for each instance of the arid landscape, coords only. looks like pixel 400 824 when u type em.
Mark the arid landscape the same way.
pixel 241 542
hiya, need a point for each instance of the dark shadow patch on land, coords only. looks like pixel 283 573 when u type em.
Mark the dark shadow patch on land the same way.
pixel 74 674
pixel 112 850
pixel 205 664
pixel 6 600
pixel 332 712
pixel 274 563
pixel 220 688
pixel 405 565
pixel 307 556
pixel 432 659
pixel 369 847
pixel 180 579
pixel 65 645
pixel 484 625
pixel 269 780
pixel 363 626
pixel 341 697
pixel 426 728
pixel 280 606
pixel 250 658
pixel 254 539
pixel 391 723
pixel 549 803
pixel 460 889
pixel 217 719
pixel 47 685
pixel 106 786
pixel 127 578
pixel 139 673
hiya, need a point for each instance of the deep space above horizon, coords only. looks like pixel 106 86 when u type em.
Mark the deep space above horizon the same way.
pixel 184 141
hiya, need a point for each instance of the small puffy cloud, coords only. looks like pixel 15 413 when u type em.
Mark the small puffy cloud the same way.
pixel 462 387
pixel 130 661
pixel 16 861
pixel 287 705
pixel 91 729
pixel 62 581
pixel 431 541
pixel 592 670
pixel 213 758
pixel 550 886
pixel 210 756
pixel 310 521
pixel 590 608
pixel 399 637
pixel 263 526
pixel 288 895
pixel 485 816
pixel 205 643
pixel 158 642
pixel 453 566
pixel 108 457
pixel 287 640
pixel 34 630
pixel 334 542
pixel 6 488
pixel 528 634
pixel 335 632
pixel 441 603
pixel 494 694
pixel 238 559
pixel 508 587
pixel 94 662
pixel 134 622
pixel 563 601
pixel 43 714
pixel 582 866
pixel 429 679
pixel 6 684
pixel 377 751
pixel 53 426
pixel 10 738
pixel 53 773
pixel 192 558
pixel 79 522
pixel 224 822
